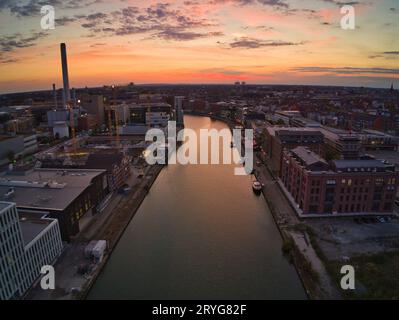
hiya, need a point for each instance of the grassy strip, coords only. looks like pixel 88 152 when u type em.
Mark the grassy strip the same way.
pixel 377 276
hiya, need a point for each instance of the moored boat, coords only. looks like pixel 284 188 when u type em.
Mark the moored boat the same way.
pixel 257 187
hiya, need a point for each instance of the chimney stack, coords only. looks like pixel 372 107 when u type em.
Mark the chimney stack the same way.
pixel 55 96
pixel 65 77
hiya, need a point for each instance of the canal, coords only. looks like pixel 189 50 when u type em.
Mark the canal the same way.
pixel 201 233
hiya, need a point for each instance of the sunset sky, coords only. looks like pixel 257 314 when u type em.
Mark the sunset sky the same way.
pixel 199 41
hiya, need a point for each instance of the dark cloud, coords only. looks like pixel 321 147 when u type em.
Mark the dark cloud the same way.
pixel 9 43
pixel 375 56
pixel 159 20
pixel 5 59
pixel 63 21
pixel 274 3
pixel 348 70
pixel 342 3
pixel 278 4
pixel 251 43
pixel 184 36
pixel 261 27
pixel 21 8
pixel 388 55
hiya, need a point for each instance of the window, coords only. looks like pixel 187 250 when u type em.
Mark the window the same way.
pixel 388 206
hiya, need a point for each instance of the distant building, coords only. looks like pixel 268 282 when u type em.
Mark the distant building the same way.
pixel 55 116
pixel 10 146
pixel 17 146
pixel 145 116
pixel 27 243
pixel 304 122
pixel 279 138
pixel 60 129
pixel 179 110
pixel 285 116
pixel 116 163
pixel 23 125
pixel 94 106
pixel 342 144
pixel 377 140
pixel 87 122
pixel 67 195
pixel 341 187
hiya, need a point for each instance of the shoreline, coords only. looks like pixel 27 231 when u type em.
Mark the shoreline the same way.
pixel 308 284
pixel 147 187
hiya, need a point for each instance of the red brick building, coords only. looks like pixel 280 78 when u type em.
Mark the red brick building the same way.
pixel 279 138
pixel 343 186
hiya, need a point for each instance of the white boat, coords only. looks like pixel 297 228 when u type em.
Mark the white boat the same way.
pixel 257 187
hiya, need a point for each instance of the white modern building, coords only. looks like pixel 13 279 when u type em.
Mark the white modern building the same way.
pixel 61 129
pixel 28 242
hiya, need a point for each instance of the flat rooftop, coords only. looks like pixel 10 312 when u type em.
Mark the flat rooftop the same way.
pixel 4 205
pixel 32 226
pixel 273 129
pixel 52 189
pixel 391 156
pixel 307 156
pixel 342 164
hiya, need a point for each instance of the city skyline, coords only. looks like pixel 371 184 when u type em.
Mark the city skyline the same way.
pixel 199 42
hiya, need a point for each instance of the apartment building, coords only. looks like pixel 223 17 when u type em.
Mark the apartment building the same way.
pixel 339 187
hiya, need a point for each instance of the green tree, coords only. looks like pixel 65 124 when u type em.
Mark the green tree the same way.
pixel 11 155
pixel 280 122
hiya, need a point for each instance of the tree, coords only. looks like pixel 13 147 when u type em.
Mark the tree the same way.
pixel 280 122
pixel 331 155
pixel 11 155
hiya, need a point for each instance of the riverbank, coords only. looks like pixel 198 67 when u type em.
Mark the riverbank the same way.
pixel 121 222
pixel 297 244
pixel 109 225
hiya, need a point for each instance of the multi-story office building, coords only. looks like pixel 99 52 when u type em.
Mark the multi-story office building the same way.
pixel 146 115
pixel 28 241
pixel 341 144
pixel 67 195
pixel 339 187
pixel 377 140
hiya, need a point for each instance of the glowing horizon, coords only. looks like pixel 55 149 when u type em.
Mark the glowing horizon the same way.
pixel 199 42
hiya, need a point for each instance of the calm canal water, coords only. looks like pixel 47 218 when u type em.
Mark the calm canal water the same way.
pixel 201 233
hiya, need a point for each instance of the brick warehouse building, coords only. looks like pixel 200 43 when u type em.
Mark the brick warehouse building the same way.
pixel 279 138
pixel 341 187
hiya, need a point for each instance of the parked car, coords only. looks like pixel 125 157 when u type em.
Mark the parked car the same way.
pixel 381 219
pixel 125 189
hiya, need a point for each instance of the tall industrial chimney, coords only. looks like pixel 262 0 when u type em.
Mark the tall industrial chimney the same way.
pixel 65 77
pixel 55 96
